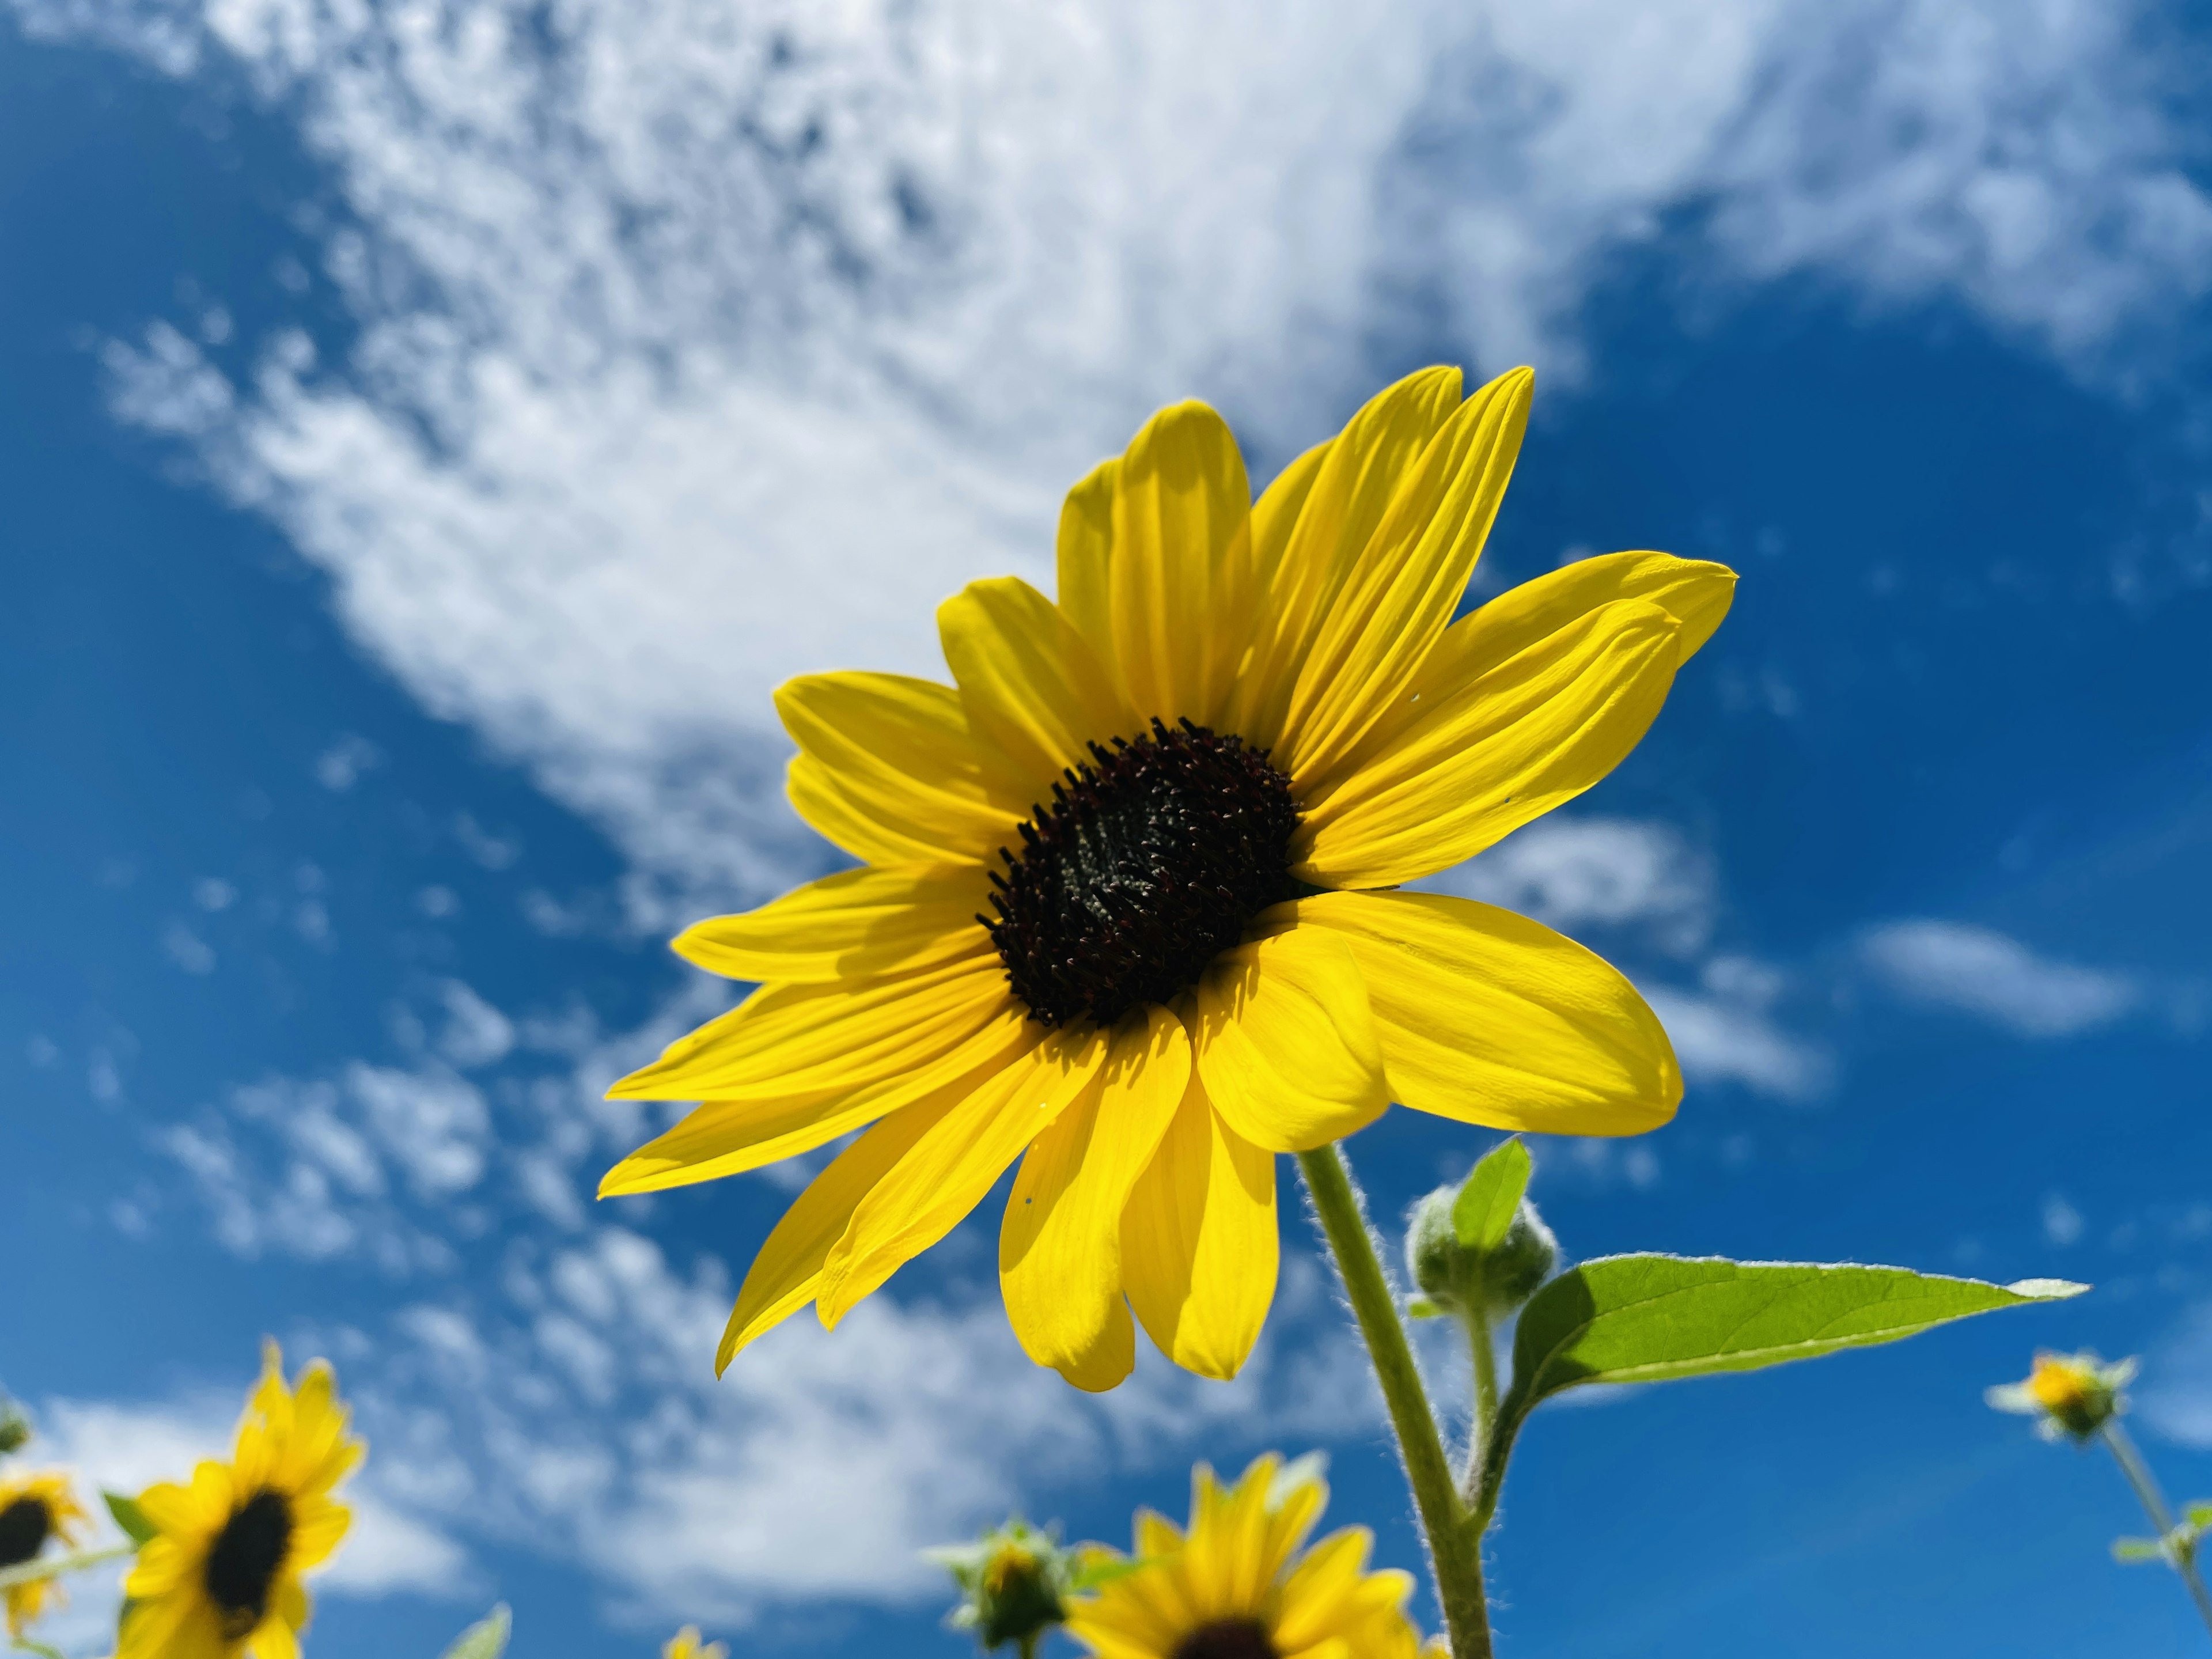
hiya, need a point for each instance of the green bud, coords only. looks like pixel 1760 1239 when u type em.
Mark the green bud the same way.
pixel 1013 1582
pixel 1456 1276
pixel 15 1427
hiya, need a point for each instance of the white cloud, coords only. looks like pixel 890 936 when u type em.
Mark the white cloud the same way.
pixel 1980 971
pixel 2061 1222
pixel 1721 1038
pixel 1573 873
pixel 705 344
pixel 2176 1395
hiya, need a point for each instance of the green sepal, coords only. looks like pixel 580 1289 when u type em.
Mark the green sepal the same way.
pixel 2198 1515
pixel 130 1517
pixel 486 1638
pixel 2133 1551
pixel 1657 1318
pixel 1490 1196
pixel 1420 1307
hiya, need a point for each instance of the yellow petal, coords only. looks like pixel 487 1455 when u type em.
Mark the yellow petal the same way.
pixel 785 1274
pixel 891 762
pixel 727 1138
pixel 1199 1243
pixel 928 1192
pixel 1489 1018
pixel 1285 1043
pixel 1493 750
pixel 1696 592
pixel 786 1040
pixel 1030 683
pixel 1312 524
pixel 1059 1248
pixel 857 924
pixel 1318 1592
pixel 317 1529
pixel 1156 565
pixel 1398 595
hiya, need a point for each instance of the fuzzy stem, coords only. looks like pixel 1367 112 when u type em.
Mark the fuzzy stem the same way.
pixel 1455 1549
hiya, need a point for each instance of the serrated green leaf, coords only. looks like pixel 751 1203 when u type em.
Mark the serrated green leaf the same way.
pixel 2132 1551
pixel 1656 1318
pixel 485 1639
pixel 1491 1193
pixel 129 1516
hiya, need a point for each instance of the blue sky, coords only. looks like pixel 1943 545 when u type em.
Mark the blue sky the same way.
pixel 429 434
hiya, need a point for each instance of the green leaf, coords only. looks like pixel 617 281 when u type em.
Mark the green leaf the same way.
pixel 486 1639
pixel 2131 1552
pixel 129 1516
pixel 1420 1307
pixel 1485 1207
pixel 2199 1516
pixel 1653 1318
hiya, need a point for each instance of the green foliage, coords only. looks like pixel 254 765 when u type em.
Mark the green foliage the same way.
pixel 2133 1551
pixel 485 1639
pixel 129 1516
pixel 1656 1318
pixel 14 1427
pixel 1491 1196
pixel 55 1566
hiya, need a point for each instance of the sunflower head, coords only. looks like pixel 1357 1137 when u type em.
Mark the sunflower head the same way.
pixel 1235 1585
pixel 223 1571
pixel 35 1509
pixel 2070 1396
pixel 1131 907
pixel 686 1644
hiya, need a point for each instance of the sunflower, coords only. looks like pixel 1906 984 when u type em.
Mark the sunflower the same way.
pixel 685 1644
pixel 34 1510
pixel 1130 908
pixel 221 1578
pixel 1231 1589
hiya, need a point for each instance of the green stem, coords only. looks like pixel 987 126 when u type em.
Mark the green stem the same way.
pixel 1485 1391
pixel 2153 1502
pixel 53 1566
pixel 1455 1549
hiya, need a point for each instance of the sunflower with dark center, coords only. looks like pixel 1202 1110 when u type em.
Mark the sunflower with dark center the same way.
pixel 1131 907
pixel 221 1578
pixel 1236 1586
pixel 35 1511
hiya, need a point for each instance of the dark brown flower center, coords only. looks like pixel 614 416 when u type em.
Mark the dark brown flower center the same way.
pixel 1227 1638
pixel 25 1526
pixel 1147 865
pixel 244 1561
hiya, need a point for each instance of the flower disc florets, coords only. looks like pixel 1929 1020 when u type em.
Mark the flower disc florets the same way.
pixel 244 1561
pixel 1227 1638
pixel 1147 865
pixel 25 1526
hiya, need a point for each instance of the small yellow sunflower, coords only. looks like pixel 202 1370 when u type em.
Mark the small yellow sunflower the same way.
pixel 686 1644
pixel 1129 909
pixel 1232 1590
pixel 34 1510
pixel 222 1579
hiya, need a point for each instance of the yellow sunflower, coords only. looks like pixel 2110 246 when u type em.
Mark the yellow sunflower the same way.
pixel 1232 1590
pixel 685 1645
pixel 222 1578
pixel 35 1509
pixel 1130 907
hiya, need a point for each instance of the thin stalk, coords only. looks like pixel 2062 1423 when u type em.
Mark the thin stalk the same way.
pixel 53 1566
pixel 1485 1391
pixel 2153 1502
pixel 1454 1552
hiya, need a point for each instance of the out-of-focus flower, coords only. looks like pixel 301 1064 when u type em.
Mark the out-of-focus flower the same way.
pixel 34 1510
pixel 686 1644
pixel 1236 1586
pixel 1014 1581
pixel 2071 1396
pixel 1129 907
pixel 222 1573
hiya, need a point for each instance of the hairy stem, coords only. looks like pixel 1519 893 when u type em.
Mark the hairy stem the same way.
pixel 1455 1548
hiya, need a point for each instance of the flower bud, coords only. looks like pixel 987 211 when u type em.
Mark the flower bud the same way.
pixel 1013 1580
pixel 1462 1278
pixel 2070 1394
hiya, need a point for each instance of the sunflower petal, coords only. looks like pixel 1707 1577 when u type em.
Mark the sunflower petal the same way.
pixel 1494 751
pixel 945 1174
pixel 786 1274
pixel 1312 523
pixel 1318 1593
pixel 729 1137
pixel 890 769
pixel 857 924
pixel 1402 589
pixel 1032 685
pixel 1285 1043
pixel 1156 566
pixel 785 1041
pixel 1059 1248
pixel 1200 1241
pixel 1488 1017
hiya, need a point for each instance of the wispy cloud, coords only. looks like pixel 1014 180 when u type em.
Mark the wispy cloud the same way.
pixel 1993 976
